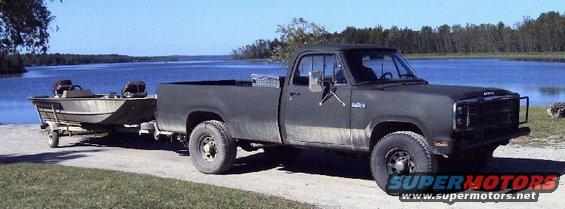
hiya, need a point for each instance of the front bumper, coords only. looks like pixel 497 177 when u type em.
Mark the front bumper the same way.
pixel 501 138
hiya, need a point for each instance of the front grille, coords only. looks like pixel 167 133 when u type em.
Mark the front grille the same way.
pixel 496 114
pixel 486 115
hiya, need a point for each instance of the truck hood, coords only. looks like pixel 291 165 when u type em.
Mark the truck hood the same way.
pixel 454 92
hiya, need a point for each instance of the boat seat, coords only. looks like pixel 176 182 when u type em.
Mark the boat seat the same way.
pixel 77 94
pixel 63 85
pixel 134 89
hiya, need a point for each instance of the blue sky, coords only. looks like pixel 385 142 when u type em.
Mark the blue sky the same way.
pixel 174 27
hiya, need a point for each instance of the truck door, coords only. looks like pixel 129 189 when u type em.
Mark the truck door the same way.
pixel 307 116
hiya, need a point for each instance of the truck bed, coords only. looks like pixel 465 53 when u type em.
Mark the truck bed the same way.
pixel 249 111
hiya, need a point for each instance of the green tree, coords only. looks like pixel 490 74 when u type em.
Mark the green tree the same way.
pixel 444 38
pixel 549 31
pixel 24 27
pixel 298 33
pixel 259 50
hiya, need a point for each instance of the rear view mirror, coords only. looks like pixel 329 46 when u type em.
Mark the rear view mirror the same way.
pixel 315 81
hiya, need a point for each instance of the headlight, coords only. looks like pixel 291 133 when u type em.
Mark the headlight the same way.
pixel 460 116
pixel 461 110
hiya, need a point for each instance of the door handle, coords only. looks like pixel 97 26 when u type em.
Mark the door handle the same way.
pixel 293 93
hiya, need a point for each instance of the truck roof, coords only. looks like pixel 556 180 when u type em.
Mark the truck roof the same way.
pixel 340 47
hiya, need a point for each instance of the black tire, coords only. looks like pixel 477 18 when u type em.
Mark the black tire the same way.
pixel 282 154
pixel 471 163
pixel 53 139
pixel 422 160
pixel 211 147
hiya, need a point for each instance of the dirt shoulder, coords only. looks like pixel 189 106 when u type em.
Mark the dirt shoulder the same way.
pixel 317 177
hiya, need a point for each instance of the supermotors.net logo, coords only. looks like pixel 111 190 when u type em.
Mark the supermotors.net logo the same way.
pixel 472 188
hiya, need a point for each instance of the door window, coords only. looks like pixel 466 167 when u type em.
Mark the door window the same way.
pixel 330 64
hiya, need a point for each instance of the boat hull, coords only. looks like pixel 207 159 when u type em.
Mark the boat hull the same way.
pixel 99 111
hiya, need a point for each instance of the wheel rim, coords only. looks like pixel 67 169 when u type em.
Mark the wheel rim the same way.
pixel 208 147
pixel 399 162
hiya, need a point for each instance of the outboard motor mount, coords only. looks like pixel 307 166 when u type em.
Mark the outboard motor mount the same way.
pixel 62 85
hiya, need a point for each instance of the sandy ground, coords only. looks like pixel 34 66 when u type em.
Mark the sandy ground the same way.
pixel 319 178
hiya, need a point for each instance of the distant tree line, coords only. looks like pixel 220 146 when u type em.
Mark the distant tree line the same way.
pixel 544 34
pixel 178 58
pixel 72 59
pixel 18 62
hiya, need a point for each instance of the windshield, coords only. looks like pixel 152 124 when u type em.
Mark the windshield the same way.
pixel 379 66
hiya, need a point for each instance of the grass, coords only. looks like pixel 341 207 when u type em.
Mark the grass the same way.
pixel 541 56
pixel 24 185
pixel 546 131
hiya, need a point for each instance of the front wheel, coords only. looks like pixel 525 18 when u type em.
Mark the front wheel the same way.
pixel 211 147
pixel 401 153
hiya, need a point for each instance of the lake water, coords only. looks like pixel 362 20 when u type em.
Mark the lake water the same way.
pixel 542 81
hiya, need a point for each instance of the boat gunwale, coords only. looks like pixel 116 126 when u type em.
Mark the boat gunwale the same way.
pixel 41 98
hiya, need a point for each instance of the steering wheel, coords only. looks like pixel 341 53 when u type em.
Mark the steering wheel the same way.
pixel 76 86
pixel 384 76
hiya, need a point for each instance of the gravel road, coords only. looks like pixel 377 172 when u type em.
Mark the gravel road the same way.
pixel 317 177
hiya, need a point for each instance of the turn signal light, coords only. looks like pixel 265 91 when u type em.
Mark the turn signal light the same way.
pixel 440 143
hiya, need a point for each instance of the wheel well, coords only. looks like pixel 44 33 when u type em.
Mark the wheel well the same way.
pixel 198 117
pixel 384 128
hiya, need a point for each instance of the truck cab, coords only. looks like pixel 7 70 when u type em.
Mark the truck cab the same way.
pixel 362 100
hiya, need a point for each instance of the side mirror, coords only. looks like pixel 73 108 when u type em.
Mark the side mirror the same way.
pixel 315 81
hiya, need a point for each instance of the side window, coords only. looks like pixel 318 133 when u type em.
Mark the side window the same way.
pixel 301 75
pixel 329 63
pixel 334 70
pixel 329 66
pixel 317 63
pixel 339 77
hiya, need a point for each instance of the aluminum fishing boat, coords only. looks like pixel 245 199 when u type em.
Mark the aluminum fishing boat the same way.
pixel 73 105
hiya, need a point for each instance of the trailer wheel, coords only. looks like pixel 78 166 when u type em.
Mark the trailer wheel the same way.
pixel 53 139
pixel 211 147
pixel 401 153
pixel 282 154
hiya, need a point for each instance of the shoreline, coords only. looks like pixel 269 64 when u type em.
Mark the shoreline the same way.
pixel 526 56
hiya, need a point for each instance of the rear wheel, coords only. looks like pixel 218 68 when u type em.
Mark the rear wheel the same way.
pixel 282 154
pixel 211 147
pixel 53 139
pixel 401 153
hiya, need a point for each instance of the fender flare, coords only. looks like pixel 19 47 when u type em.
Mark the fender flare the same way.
pixel 400 119
pixel 203 109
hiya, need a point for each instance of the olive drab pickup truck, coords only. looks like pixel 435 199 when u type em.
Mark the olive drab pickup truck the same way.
pixel 363 100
